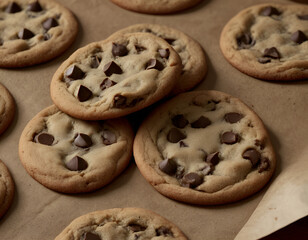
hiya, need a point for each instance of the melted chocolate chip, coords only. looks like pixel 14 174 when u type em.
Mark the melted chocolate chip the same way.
pixel 13 8
pixel 139 49
pixel 25 34
pixel 90 236
pixel 271 53
pixel 84 93
pixel 119 50
pixel 34 7
pixel 136 227
pixel 44 138
pixel 183 144
pixel 259 143
pixel 169 40
pixel 298 37
pixel 76 164
pixel 112 68
pixel 50 23
pixel 95 61
pixel 269 11
pixel 252 155
pixel 175 135
pixel 168 166
pixel 264 165
pixel 154 64
pixel 74 73
pixel 229 138
pixel 245 41
pixel 164 53
pixel 108 137
pixel 179 121
pixel 83 140
pixel 233 117
pixel 264 60
pixel 179 172
pixel 163 231
pixel 201 122
pixel 119 101
pixel 107 83
pixel 213 158
pixel 46 36
pixel 192 180
pixel 303 17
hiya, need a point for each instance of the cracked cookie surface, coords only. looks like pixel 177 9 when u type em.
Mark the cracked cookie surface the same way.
pixel 7 108
pixel 6 189
pixel 121 224
pixel 190 51
pixel 115 77
pixel 33 32
pixel 268 41
pixel 204 147
pixel 71 155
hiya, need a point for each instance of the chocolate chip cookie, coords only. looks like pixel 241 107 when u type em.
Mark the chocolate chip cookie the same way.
pixel 115 77
pixel 156 6
pixel 7 108
pixel 268 41
pixel 6 189
pixel 33 32
pixel 71 155
pixel 204 147
pixel 121 224
pixel 190 51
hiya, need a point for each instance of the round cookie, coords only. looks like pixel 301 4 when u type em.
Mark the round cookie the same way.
pixel 71 155
pixel 121 224
pixel 6 189
pixel 204 147
pixel 115 77
pixel 7 108
pixel 268 41
pixel 190 51
pixel 32 32
pixel 156 6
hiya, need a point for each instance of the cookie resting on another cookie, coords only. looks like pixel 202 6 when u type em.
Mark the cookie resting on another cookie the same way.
pixel 115 77
pixel 121 224
pixel 204 147
pixel 32 32
pixel 71 155
pixel 268 41
pixel 6 189
pixel 7 108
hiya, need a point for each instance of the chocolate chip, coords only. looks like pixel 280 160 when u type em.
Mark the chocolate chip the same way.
pixel 154 64
pixel 139 48
pixel 168 166
pixel 264 60
pixel 83 140
pixel 183 144
pixel 271 53
pixel 112 68
pixel 50 23
pixel 136 227
pixel 169 40
pixel 25 34
pixel 119 101
pixel 208 169
pixel 74 72
pixel 245 41
pixel 76 164
pixel 119 50
pixel 192 180
pixel 13 8
pixel 179 121
pixel 175 135
pixel 233 117
pixel 229 138
pixel 264 165
pixel 84 93
pixel 303 17
pixel 44 138
pixel 163 231
pixel 269 11
pixel 107 83
pixel 298 37
pixel 213 158
pixel 164 53
pixel 108 137
pixel 95 61
pixel 90 236
pixel 201 122
pixel 34 7
pixel 252 155
pixel 179 172
pixel 259 143
pixel 46 36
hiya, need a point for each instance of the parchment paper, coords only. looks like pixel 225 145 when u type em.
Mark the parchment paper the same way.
pixel 39 213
